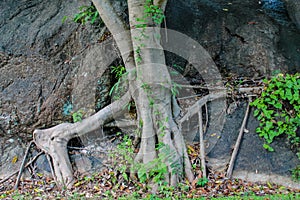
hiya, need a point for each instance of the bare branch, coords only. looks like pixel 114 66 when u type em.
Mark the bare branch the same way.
pixel 22 166
pixel 202 148
pixel 238 142
pixel 15 172
pixel 192 110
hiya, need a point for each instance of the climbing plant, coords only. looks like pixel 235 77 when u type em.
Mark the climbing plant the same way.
pixel 278 108
pixel 86 14
pixel 278 111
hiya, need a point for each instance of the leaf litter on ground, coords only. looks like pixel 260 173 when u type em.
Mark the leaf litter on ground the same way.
pixel 111 184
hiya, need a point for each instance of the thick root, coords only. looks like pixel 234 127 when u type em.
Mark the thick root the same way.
pixel 173 151
pixel 54 140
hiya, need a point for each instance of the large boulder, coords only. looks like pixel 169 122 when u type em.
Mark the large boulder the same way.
pixel 293 7
pixel 40 58
pixel 46 65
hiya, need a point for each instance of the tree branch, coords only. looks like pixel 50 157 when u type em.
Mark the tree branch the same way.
pixel 22 166
pixel 192 110
pixel 118 29
pixel 238 142
pixel 202 146
pixel 109 16
pixel 15 172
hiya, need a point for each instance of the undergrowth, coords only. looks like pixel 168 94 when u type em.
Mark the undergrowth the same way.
pixel 278 111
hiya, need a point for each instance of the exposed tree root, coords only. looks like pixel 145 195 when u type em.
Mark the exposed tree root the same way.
pixel 54 140
pixel 194 109
pixel 202 145
pixel 160 128
pixel 157 128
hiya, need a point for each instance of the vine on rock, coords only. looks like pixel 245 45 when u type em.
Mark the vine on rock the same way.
pixel 278 110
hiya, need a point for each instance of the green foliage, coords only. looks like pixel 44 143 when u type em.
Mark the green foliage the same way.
pixel 68 111
pixel 202 182
pixel 154 170
pixel 119 72
pixel 87 13
pixel 278 109
pixel 175 89
pixel 123 156
pixel 177 69
pixel 296 173
pixel 154 12
pixel 77 116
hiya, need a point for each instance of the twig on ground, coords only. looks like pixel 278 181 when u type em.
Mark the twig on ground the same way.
pixel 22 166
pixel 51 167
pixel 15 172
pixel 206 118
pixel 202 146
pixel 238 142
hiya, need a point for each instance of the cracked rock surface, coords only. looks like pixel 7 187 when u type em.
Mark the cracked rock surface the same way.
pixel 43 63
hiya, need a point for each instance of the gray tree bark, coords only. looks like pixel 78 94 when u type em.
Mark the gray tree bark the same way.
pixel 149 87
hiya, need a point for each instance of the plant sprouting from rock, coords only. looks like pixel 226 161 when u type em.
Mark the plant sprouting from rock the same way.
pixel 278 109
pixel 86 14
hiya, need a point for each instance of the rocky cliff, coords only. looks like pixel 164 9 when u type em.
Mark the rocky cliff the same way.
pixel 43 64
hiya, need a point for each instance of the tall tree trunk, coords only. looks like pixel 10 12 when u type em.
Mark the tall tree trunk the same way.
pixel 149 86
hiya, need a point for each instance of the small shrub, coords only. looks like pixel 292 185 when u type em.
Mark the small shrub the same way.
pixel 202 182
pixel 119 87
pixel 296 173
pixel 278 109
pixel 86 14
pixel 77 116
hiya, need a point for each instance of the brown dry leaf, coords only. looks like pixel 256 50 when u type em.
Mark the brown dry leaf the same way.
pixel 229 187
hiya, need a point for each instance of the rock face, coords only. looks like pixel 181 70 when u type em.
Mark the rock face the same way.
pixel 293 7
pixel 46 65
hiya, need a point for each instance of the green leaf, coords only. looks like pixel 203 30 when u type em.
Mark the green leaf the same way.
pixel 64 19
pixel 281 93
pixel 125 176
pixel 289 94
pixel 278 105
pixel 256 112
pixel 258 130
pixel 268 147
pixel 269 125
pixel 280 123
pixel 289 84
pixel 278 84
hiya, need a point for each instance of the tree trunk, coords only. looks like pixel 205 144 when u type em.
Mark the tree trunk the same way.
pixel 149 87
